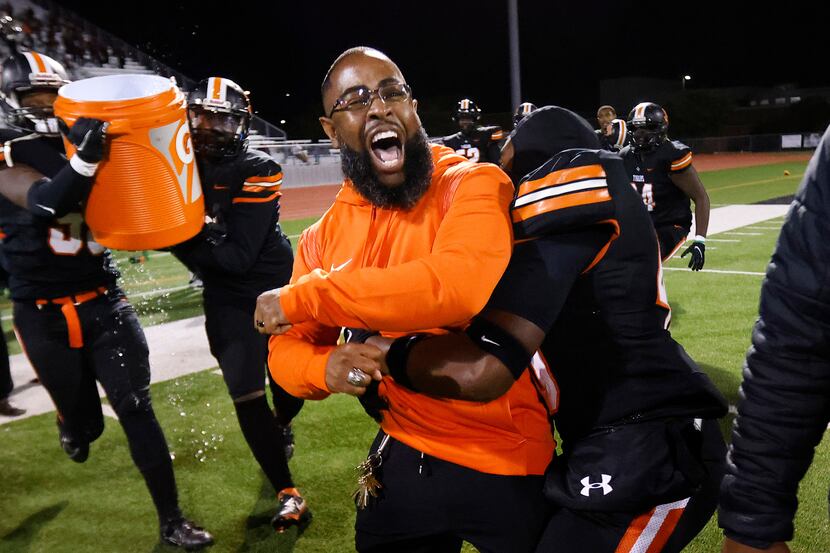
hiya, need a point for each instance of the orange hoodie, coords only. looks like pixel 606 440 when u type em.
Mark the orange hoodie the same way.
pixel 399 272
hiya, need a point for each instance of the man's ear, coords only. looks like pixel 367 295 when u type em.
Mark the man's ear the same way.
pixel 415 105
pixel 328 128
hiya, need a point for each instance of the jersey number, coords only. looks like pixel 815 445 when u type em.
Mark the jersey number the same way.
pixel 70 235
pixel 648 196
pixel 472 153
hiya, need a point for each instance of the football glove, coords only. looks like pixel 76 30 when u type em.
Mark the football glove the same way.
pixel 697 250
pixel 88 136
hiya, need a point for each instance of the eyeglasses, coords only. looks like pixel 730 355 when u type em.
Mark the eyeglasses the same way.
pixel 361 97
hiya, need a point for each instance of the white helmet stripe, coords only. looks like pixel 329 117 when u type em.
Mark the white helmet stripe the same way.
pixel 217 89
pixel 36 63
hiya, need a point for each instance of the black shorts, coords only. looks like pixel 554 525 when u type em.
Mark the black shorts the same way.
pixel 666 527
pixel 430 505
pixel 670 237
pixel 113 352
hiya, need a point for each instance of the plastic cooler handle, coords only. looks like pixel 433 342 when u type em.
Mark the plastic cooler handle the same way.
pixel 119 126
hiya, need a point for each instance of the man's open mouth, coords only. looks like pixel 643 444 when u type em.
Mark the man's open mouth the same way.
pixel 387 150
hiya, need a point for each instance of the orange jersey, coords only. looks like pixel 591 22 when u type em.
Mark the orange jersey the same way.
pixel 431 267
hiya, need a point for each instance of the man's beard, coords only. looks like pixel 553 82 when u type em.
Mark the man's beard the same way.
pixel 417 170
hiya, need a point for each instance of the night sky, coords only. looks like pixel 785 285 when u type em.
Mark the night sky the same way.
pixel 450 50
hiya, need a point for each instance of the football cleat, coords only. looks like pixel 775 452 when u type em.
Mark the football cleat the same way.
pixel 291 511
pixel 183 533
pixel 76 450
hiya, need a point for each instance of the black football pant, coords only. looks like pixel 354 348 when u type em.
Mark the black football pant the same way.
pixel 242 354
pixel 670 237
pixel 666 528
pixel 113 352
pixel 6 384
pixel 428 505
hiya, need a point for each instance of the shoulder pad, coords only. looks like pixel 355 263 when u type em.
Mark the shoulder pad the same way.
pixel 679 155
pixel 568 192
pixel 494 131
pixel 261 170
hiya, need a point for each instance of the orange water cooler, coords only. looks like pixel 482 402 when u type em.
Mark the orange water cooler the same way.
pixel 147 193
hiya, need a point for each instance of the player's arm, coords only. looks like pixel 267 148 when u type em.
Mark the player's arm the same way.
pixel 689 182
pixel 15 183
pixel 233 247
pixel 483 362
pixel 55 197
pixel 306 361
pixel 436 290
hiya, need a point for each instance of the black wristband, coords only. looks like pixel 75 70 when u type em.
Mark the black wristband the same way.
pixel 397 357
pixel 358 335
pixel 499 343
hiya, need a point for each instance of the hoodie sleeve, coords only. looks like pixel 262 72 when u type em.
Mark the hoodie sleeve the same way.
pixel 297 359
pixel 785 395
pixel 445 288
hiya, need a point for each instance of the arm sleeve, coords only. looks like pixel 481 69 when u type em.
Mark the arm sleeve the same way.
pixel 542 273
pixel 55 197
pixel 785 395
pixel 297 359
pixel 436 290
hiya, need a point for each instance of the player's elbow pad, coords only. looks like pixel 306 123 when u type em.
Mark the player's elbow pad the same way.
pixel 59 195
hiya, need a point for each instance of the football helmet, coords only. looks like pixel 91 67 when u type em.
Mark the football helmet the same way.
pixel 648 123
pixel 23 75
pixel 522 111
pixel 219 112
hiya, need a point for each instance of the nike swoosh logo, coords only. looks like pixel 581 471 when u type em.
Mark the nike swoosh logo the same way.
pixel 489 341
pixel 339 267
pixel 44 208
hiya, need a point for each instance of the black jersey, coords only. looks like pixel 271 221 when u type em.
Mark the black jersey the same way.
pixel 48 257
pixel 242 251
pixel 479 145
pixel 651 173
pixel 586 269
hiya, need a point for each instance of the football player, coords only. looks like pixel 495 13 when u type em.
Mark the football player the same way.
pixel 240 253
pixel 583 290
pixel 73 320
pixel 662 171
pixel 475 142
pixel 524 109
pixel 613 132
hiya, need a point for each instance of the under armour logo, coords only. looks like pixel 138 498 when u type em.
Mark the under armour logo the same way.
pixel 587 485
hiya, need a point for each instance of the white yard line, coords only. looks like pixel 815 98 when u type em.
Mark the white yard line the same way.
pixel 733 233
pixel 717 271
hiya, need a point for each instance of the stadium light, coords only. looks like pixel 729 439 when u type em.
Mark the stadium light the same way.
pixel 282 121
pixel 287 94
pixel 684 79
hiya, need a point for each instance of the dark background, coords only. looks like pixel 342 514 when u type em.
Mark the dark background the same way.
pixel 450 50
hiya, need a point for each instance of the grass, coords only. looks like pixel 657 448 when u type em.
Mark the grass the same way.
pixel 51 504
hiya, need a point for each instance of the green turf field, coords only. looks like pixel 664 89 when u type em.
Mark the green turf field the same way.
pixel 50 504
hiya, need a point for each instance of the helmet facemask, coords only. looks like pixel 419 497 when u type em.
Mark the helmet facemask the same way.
pixel 36 116
pixel 218 133
pixel 648 137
